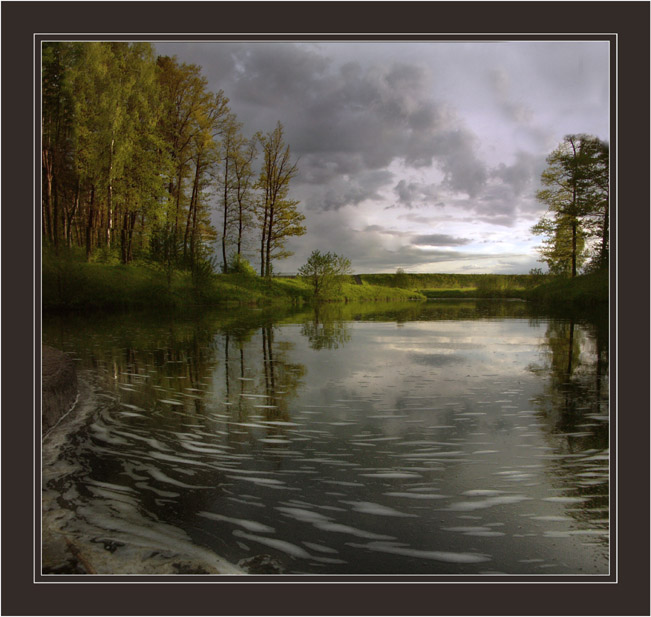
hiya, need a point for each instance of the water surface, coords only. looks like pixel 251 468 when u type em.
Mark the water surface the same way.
pixel 447 437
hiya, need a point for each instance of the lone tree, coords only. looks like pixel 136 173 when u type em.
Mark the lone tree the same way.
pixel 576 191
pixel 324 272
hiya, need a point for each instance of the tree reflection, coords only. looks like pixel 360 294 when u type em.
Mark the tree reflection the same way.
pixel 574 408
pixel 327 330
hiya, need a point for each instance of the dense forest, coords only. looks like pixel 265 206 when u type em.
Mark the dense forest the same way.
pixel 136 150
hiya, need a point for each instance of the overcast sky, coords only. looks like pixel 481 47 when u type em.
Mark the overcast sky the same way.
pixel 424 156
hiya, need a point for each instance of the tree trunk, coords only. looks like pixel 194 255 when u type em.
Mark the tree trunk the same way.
pixel 268 248
pixel 109 198
pixel 191 217
pixel 89 223
pixel 47 201
pixel 123 240
pixel 574 224
pixel 225 227
pixel 70 215
pixel 55 213
pixel 262 242
pixel 239 230
pixel 179 188
pixel 132 225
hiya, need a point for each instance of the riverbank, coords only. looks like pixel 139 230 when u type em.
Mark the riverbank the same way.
pixel 75 285
pixel 589 290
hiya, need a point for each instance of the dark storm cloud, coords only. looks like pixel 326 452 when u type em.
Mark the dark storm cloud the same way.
pixel 353 117
pixel 272 74
pixel 439 131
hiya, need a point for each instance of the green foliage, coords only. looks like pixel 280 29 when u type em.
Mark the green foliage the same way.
pixel 278 215
pixel 70 282
pixel 401 279
pixel 377 293
pixel 324 273
pixel 585 291
pixel 137 148
pixel 456 285
pixel 576 191
pixel 240 265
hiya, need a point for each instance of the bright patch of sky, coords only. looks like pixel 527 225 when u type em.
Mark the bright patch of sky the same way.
pixel 425 156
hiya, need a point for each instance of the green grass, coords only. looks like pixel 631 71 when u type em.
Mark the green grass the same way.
pixel 74 284
pixel 352 292
pixel 438 281
pixel 474 292
pixel 585 290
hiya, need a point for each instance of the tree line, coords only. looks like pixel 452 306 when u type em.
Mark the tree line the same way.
pixel 576 189
pixel 137 152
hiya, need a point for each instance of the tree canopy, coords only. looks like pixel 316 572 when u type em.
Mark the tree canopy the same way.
pixel 576 191
pixel 141 160
pixel 324 272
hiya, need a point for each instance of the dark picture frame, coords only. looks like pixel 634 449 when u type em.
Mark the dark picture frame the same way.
pixel 625 592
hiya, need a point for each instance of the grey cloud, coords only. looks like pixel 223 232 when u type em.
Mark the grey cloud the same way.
pixel 464 172
pixel 345 119
pixel 344 191
pixel 523 175
pixel 386 231
pixel 318 169
pixel 411 192
pixel 439 240
pixel 271 73
pixel 382 112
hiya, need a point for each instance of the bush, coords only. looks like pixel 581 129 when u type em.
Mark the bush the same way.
pixel 241 265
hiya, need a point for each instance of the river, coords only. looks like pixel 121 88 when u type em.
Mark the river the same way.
pixel 442 437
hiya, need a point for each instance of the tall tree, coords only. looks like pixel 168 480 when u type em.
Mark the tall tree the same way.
pixel 57 121
pixel 231 144
pixel 185 98
pixel 244 182
pixel 116 109
pixel 576 193
pixel 278 215
pixel 141 186
pixel 208 121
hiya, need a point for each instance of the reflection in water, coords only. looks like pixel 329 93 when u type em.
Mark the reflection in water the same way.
pixel 574 408
pixel 440 437
pixel 327 329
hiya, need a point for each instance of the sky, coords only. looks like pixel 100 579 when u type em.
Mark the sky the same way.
pixel 424 156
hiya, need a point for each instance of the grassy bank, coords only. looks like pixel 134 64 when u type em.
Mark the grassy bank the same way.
pixel 74 284
pixel 458 285
pixel 582 291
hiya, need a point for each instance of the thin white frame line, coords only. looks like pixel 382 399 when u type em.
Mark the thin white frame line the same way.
pixel 229 578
